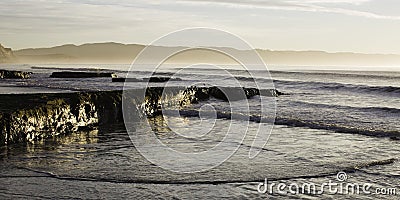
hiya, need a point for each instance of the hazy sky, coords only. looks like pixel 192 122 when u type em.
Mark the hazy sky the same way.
pixel 368 26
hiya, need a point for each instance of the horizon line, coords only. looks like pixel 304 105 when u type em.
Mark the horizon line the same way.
pixel 262 49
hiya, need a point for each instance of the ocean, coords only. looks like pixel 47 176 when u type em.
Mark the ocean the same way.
pixel 329 124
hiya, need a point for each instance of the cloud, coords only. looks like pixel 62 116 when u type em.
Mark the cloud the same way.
pixel 322 6
pixel 35 16
pixel 355 2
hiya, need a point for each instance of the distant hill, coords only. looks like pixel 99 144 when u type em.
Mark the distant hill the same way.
pixel 6 55
pixel 125 53
pixel 98 53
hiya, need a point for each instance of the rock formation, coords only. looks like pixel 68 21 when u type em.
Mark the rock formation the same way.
pixel 6 55
pixel 6 74
pixel 81 75
pixel 153 79
pixel 31 117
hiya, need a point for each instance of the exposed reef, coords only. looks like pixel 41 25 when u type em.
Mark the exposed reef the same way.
pixel 156 79
pixel 31 117
pixel 81 75
pixel 6 74
pixel 126 80
pixel 150 80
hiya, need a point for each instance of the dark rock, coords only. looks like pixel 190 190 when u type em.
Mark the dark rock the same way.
pixel 395 138
pixel 194 95
pixel 126 80
pixel 237 93
pixel 155 79
pixel 31 117
pixel 233 93
pixel 151 79
pixel 5 74
pixel 271 93
pixel 56 117
pixel 81 75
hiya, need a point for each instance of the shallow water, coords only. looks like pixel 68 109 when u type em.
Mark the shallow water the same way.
pixel 106 165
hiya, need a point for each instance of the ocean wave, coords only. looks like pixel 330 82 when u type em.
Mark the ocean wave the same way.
pixel 362 109
pixel 381 90
pixel 293 122
pixel 336 128
pixel 348 74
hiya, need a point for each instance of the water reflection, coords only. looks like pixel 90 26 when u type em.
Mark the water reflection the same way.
pixel 159 124
pixel 81 141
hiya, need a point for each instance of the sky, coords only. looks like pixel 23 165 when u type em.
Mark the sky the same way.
pixel 362 26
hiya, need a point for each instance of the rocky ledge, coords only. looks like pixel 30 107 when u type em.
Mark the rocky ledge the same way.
pixel 5 74
pixel 31 117
pixel 81 75
pixel 153 79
